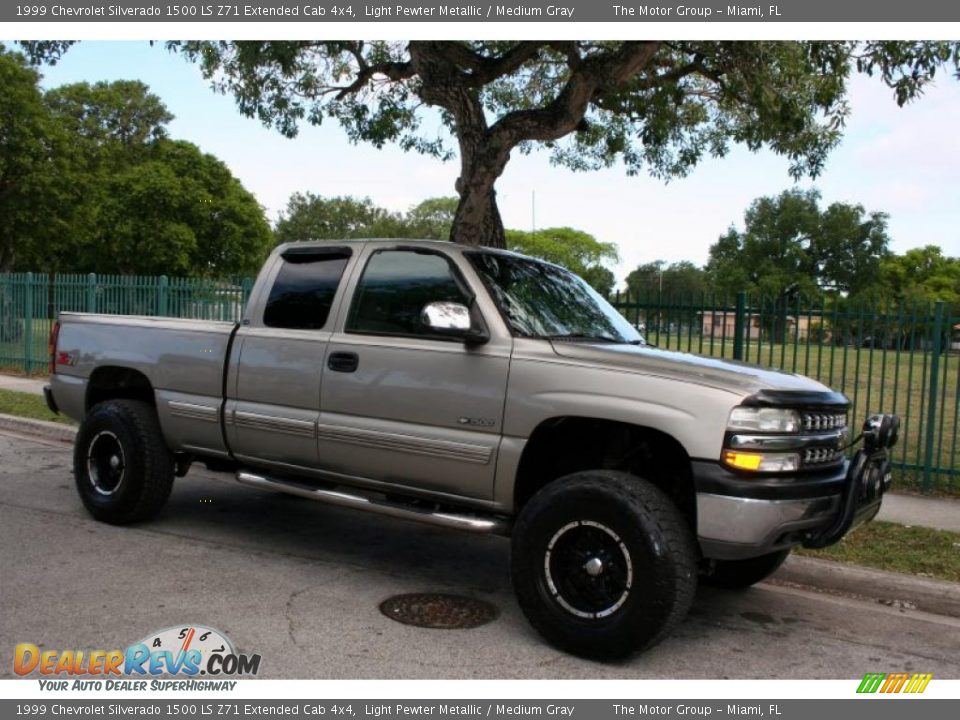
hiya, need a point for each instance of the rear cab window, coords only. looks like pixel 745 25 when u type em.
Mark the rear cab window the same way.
pixel 304 288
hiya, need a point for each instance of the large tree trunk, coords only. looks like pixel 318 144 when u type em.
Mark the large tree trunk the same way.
pixel 477 220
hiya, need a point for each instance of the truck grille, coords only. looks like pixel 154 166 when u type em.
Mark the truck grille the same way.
pixel 821 456
pixel 820 421
pixel 831 423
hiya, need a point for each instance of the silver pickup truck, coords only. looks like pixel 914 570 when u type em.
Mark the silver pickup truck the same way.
pixel 486 391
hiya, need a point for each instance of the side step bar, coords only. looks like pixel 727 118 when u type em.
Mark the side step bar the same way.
pixel 471 523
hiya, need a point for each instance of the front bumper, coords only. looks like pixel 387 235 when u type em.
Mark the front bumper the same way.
pixel 741 517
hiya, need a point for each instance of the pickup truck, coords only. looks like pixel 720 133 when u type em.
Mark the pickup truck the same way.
pixel 486 391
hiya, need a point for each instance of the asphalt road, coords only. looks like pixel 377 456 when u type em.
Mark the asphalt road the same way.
pixel 300 583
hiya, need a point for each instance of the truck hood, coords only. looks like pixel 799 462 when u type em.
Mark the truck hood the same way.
pixel 731 375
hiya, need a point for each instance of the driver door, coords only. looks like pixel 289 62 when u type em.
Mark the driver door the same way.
pixel 399 405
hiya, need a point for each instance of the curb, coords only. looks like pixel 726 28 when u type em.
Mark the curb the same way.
pixel 57 432
pixel 898 590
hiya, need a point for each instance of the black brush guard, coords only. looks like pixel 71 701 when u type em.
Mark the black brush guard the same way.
pixel 868 478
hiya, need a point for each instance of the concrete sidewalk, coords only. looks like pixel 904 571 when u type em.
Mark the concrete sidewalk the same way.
pixel 18 383
pixel 941 513
pixel 934 512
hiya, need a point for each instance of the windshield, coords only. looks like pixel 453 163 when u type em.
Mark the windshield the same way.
pixel 546 301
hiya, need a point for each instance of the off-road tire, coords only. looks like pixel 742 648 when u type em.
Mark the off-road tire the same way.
pixel 122 468
pixel 741 574
pixel 629 522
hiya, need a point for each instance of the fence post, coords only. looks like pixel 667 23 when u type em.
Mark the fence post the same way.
pixel 92 293
pixel 739 323
pixel 28 323
pixel 162 296
pixel 932 396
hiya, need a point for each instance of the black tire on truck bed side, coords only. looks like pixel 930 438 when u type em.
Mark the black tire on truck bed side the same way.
pixel 122 468
pixel 601 521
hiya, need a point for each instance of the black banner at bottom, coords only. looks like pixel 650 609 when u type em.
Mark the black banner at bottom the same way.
pixel 870 707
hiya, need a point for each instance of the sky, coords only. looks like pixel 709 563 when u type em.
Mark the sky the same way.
pixel 902 161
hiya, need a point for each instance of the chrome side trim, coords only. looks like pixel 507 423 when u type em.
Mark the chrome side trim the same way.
pixel 754 522
pixel 271 423
pixel 477 454
pixel 193 411
pixel 459 521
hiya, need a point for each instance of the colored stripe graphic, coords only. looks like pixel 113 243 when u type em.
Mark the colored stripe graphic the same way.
pixel 894 682
pixel 871 682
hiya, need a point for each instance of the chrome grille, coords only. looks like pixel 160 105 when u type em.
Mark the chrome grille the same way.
pixel 823 421
pixel 821 456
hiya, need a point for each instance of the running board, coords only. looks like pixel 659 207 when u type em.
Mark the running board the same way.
pixel 471 523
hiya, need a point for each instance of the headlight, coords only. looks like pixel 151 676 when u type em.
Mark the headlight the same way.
pixel 764 419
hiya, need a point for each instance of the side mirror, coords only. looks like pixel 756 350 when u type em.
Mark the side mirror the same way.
pixel 453 320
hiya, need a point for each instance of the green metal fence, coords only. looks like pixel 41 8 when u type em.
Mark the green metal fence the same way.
pixel 30 301
pixel 898 358
pixel 892 358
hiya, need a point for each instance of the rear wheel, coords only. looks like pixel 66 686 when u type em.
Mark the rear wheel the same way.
pixel 741 574
pixel 603 564
pixel 122 468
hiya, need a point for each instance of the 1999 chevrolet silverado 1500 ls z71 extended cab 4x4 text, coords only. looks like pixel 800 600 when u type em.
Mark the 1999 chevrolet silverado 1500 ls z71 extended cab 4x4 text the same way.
pixel 481 390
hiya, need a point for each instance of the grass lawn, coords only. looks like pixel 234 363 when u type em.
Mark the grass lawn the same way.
pixel 898 548
pixel 29 406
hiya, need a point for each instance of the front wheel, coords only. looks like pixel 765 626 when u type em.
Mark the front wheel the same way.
pixel 603 564
pixel 122 468
pixel 741 574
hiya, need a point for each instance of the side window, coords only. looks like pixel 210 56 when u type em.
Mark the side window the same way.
pixel 303 291
pixel 395 286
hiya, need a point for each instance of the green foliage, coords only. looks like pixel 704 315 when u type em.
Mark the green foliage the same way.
pixel 311 217
pixel 573 249
pixel 432 219
pixel 654 106
pixel 680 279
pixel 921 275
pixel 789 245
pixel 102 188
pixel 27 143
pixel 123 111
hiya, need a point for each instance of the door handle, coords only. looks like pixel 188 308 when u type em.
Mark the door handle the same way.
pixel 343 361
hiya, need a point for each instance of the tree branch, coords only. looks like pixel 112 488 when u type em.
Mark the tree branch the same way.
pixel 564 113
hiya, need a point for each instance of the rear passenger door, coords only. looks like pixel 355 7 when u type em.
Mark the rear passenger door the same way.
pixel 280 359
pixel 399 405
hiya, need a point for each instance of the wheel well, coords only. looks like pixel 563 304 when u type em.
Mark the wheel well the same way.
pixel 111 383
pixel 564 445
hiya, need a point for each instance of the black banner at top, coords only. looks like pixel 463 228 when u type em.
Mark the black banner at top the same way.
pixel 626 11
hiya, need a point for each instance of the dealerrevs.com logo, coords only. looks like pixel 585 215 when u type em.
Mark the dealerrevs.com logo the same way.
pixel 185 651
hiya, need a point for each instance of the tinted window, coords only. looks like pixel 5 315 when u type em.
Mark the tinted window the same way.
pixel 303 291
pixel 395 286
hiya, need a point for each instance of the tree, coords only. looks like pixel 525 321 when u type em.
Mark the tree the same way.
pixel 679 279
pixel 102 189
pixel 789 245
pixel 921 275
pixel 28 168
pixel 123 112
pixel 312 217
pixel 432 219
pixel 181 212
pixel 655 106
pixel 575 250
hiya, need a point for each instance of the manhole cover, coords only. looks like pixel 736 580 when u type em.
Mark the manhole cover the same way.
pixel 436 610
